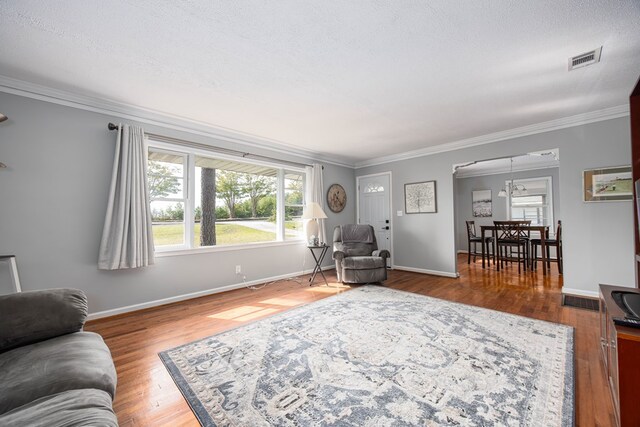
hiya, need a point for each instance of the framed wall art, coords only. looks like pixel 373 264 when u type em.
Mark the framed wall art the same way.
pixel 336 198
pixel 607 184
pixel 481 203
pixel 420 197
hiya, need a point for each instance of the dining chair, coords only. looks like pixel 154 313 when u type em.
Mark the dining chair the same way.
pixel 525 235
pixel 474 239
pixel 556 242
pixel 510 235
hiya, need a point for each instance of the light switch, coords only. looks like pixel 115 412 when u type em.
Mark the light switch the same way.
pixel 399 213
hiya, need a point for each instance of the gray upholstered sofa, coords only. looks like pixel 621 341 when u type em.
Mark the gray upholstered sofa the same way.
pixel 52 373
pixel 356 254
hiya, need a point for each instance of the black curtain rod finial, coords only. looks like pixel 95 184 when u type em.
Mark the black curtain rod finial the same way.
pixel 111 126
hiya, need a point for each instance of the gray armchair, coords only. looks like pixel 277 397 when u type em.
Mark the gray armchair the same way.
pixel 356 254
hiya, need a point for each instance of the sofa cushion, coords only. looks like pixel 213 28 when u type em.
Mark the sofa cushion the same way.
pixel 85 407
pixel 29 317
pixel 362 262
pixel 74 361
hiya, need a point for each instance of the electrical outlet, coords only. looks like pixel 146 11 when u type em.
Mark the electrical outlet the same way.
pixel 238 269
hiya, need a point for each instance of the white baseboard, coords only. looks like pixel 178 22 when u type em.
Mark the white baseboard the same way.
pixel 177 298
pixel 580 292
pixel 425 271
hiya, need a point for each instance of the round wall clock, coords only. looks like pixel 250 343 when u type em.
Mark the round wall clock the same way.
pixel 336 198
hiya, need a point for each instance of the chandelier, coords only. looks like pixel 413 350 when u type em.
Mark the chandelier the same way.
pixel 514 189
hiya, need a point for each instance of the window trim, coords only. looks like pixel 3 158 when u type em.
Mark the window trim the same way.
pixel 189 208
pixel 549 204
pixel 228 248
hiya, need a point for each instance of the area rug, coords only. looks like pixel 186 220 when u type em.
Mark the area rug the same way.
pixel 374 356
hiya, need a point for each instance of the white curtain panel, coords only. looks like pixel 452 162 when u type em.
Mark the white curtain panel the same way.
pixel 127 238
pixel 315 193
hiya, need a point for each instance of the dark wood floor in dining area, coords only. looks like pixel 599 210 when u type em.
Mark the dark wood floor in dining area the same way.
pixel 147 396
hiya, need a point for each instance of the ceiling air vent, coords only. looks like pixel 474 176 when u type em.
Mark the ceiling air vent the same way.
pixel 585 59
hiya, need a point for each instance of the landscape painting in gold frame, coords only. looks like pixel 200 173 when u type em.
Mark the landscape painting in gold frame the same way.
pixel 612 184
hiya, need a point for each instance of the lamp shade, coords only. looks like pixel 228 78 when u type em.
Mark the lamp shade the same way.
pixel 502 193
pixel 313 211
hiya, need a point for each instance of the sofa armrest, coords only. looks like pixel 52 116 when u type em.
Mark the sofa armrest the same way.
pixel 338 255
pixel 383 253
pixel 29 317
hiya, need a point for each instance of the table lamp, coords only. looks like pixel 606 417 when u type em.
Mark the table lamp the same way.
pixel 312 210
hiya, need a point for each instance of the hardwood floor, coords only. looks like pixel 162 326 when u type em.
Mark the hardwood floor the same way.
pixel 147 396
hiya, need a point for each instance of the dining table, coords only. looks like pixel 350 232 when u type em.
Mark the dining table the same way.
pixel 542 229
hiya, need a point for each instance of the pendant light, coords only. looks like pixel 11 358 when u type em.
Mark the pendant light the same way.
pixel 514 189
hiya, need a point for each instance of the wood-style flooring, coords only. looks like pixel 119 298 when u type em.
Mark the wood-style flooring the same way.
pixel 147 396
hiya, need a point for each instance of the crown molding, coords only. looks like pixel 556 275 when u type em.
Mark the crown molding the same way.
pixel 160 119
pixel 506 170
pixel 563 123
pixel 194 127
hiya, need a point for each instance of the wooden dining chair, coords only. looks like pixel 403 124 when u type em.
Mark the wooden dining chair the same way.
pixel 524 232
pixel 474 239
pixel 556 242
pixel 510 235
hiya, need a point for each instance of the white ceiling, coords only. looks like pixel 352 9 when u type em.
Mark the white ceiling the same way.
pixel 352 79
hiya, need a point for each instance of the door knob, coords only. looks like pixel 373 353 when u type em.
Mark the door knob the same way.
pixel 385 228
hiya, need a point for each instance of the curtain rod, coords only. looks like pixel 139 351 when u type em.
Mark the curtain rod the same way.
pixel 215 149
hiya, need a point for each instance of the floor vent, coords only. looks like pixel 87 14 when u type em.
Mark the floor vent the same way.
pixel 580 302
pixel 585 59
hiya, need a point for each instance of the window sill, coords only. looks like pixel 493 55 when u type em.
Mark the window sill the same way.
pixel 227 248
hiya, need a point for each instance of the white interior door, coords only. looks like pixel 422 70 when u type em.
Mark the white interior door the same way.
pixel 374 207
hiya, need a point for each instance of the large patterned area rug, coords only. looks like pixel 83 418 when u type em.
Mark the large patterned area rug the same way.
pixel 374 356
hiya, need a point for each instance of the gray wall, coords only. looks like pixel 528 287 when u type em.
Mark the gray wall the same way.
pixel 53 198
pixel 598 237
pixel 465 186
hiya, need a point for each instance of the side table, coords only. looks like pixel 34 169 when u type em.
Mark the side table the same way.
pixel 318 253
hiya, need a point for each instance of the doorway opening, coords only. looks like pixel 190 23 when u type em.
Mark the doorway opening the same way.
pixel 518 187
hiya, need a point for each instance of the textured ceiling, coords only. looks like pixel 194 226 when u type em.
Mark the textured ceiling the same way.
pixel 355 79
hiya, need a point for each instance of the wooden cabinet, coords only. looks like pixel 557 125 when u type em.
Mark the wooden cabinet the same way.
pixel 621 356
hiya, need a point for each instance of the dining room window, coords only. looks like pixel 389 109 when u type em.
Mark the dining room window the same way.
pixel 534 203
